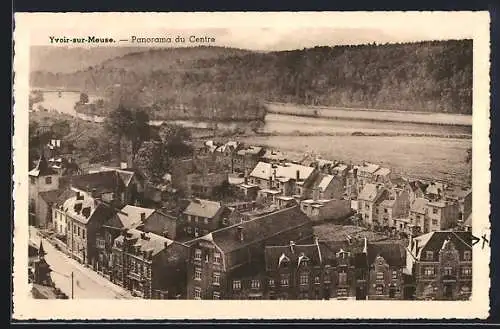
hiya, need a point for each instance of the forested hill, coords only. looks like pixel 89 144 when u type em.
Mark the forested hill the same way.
pixel 226 83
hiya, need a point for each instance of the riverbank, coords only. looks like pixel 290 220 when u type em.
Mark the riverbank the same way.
pixel 370 115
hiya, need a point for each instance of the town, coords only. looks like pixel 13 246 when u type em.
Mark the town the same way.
pixel 236 221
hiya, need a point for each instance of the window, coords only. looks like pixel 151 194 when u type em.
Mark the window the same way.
pixel 379 290
pixel 48 180
pixel 196 219
pixel 255 284
pixel 216 295
pixel 466 271
pixel 342 278
pixel 434 211
pixel 385 210
pixel 367 206
pixel 448 270
pixel 236 285
pixel 467 256
pixel 394 275
pixel 435 222
pixel 197 254
pixel 197 273
pixel 78 231
pixel 342 292
pixel 216 279
pixel 83 233
pixel 316 280
pixel 207 258
pixel 429 255
pixel 380 276
pixel 284 280
pixel 197 293
pixel 429 271
pixel 189 230
pixel 189 218
pixel 304 279
pixel 271 282
pixel 205 220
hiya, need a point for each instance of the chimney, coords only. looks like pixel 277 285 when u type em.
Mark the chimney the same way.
pixel 297 175
pixel 292 245
pixel 365 247
pixel 123 165
pixel 240 233
pixel 143 216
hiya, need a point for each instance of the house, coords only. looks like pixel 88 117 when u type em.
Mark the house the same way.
pixel 366 175
pixel 300 271
pixel 326 209
pixel 162 222
pixel 85 216
pixel 382 176
pixel 201 217
pixel 327 187
pixel 417 189
pixel 246 158
pixel 287 178
pixel 149 265
pixel 387 262
pixel 215 258
pixel 463 197
pixel 441 263
pixel 435 191
pixel 396 205
pixel 128 217
pixel 116 186
pixel 43 178
pixel 369 201
pixel 247 191
pixel 203 185
pixel 224 155
pixel 430 216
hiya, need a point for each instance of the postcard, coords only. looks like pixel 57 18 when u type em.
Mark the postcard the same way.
pixel 286 165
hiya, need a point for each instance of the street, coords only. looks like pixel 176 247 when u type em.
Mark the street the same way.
pixel 86 282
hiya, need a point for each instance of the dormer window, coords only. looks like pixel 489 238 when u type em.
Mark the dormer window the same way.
pixel 429 255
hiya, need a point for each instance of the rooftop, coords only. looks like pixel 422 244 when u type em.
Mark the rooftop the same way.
pixel 264 170
pixel 370 193
pixel 203 208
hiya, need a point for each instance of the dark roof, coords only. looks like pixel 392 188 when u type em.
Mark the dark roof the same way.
pixel 418 185
pixel 102 182
pixel 394 253
pixel 248 270
pixel 63 196
pixel 50 197
pixel 433 241
pixel 42 168
pixel 260 228
pixel 313 253
pixel 361 260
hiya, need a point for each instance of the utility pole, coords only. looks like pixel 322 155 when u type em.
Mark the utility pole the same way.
pixel 72 294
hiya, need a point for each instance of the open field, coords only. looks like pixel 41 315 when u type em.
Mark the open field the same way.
pixel 439 158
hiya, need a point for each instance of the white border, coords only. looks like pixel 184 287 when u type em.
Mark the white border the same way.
pixel 33 28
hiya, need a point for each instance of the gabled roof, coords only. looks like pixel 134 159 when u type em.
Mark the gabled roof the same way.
pixel 382 171
pixel 42 168
pixel 152 243
pixel 130 216
pixel 258 229
pixel 368 168
pixel 370 193
pixel 87 209
pixel 393 253
pixel 418 185
pixel 419 205
pixel 264 170
pixel 433 241
pixel 323 181
pixel 203 208
pixel 102 182
pixel 435 188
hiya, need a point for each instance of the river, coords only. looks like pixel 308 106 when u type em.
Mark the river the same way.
pixel 434 153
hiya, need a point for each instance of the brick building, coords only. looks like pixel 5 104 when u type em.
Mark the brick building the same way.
pixel 149 265
pixel 441 263
pixel 216 258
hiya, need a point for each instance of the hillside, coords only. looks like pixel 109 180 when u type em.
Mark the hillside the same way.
pixel 230 84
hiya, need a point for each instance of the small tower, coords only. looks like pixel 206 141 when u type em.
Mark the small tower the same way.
pixel 42 269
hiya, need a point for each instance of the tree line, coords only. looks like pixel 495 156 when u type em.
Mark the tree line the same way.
pixel 431 76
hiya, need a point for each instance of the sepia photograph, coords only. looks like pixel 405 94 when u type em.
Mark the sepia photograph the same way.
pixel 324 163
